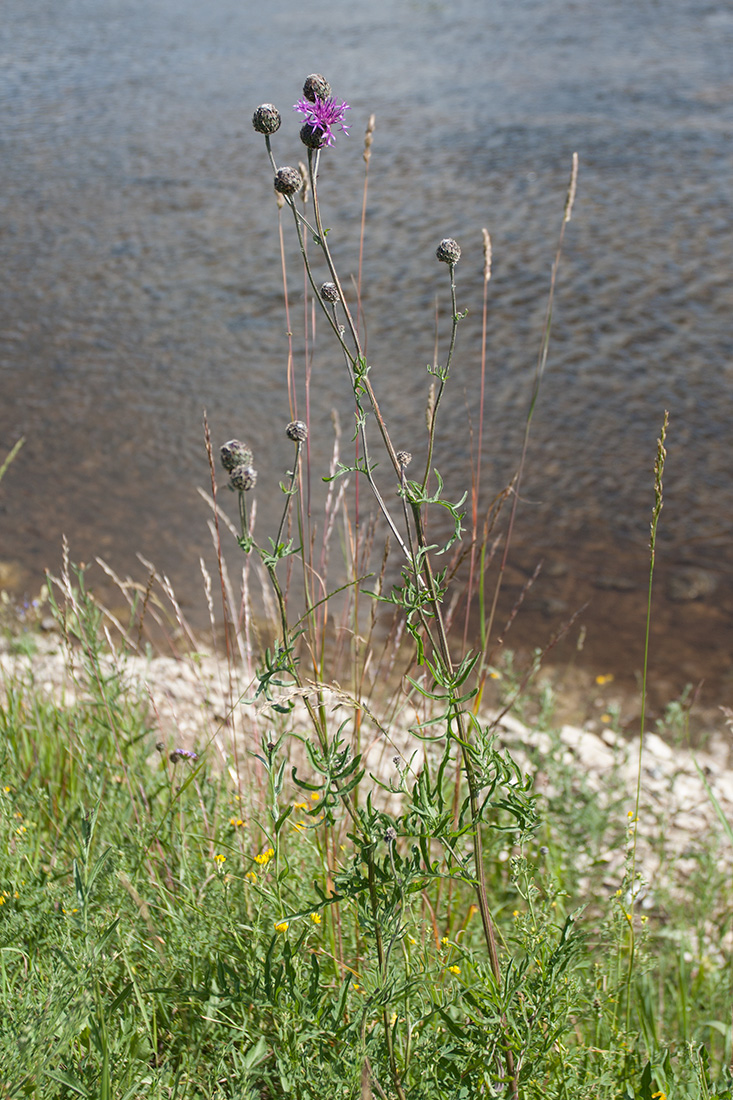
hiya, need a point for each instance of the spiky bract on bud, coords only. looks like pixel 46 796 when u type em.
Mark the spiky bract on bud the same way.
pixel 329 292
pixel 313 137
pixel 266 119
pixel 297 430
pixel 288 181
pixel 235 453
pixel 243 478
pixel 316 87
pixel 448 251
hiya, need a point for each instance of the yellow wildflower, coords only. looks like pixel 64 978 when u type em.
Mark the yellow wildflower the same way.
pixel 316 918
pixel 315 795
pixel 607 679
pixel 264 857
pixel 282 926
pixel 220 859
pixel 251 876
pixel 444 941
pixel 454 969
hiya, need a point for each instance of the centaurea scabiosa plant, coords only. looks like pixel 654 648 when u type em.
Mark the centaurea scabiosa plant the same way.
pixel 489 790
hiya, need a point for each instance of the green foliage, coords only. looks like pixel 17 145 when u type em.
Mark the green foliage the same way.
pixel 155 942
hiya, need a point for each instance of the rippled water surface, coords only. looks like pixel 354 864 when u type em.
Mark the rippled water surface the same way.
pixel 141 283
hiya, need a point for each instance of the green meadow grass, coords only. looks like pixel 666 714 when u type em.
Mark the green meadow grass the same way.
pixel 162 935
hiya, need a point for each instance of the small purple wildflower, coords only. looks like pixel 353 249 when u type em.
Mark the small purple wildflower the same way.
pixel 322 115
pixel 182 754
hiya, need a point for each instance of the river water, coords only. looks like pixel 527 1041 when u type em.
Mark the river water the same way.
pixel 141 280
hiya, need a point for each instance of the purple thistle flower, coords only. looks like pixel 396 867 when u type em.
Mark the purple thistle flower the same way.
pixel 322 115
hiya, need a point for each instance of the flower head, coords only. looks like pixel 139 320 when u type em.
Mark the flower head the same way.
pixel 282 927
pixel 316 86
pixel 297 430
pixel 288 181
pixel 330 292
pixel 181 754
pixel 235 453
pixel 243 478
pixel 266 119
pixel 320 117
pixel 448 251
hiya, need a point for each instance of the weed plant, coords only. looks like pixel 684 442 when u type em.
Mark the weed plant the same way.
pixel 344 889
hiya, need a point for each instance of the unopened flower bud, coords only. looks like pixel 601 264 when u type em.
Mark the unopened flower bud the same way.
pixel 316 86
pixel 329 292
pixel 266 119
pixel 297 431
pixel 313 136
pixel 235 453
pixel 404 458
pixel 243 478
pixel 288 181
pixel 448 251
